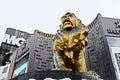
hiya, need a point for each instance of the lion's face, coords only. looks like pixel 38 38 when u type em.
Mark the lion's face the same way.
pixel 68 21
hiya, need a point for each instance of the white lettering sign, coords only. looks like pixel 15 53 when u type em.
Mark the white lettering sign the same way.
pixel 13 40
pixel 60 79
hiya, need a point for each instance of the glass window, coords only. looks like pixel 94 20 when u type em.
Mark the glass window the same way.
pixel 21 66
pixel 114 47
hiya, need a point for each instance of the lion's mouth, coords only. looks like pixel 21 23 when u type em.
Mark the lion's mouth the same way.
pixel 67 23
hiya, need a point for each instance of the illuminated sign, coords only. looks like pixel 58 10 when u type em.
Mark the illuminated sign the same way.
pixel 43 35
pixel 13 40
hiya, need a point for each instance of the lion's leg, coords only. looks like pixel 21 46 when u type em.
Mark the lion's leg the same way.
pixel 83 67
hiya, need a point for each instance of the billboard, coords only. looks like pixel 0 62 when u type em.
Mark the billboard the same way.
pixel 15 37
pixel 12 40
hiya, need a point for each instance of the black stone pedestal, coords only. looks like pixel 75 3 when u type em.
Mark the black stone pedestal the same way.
pixel 55 75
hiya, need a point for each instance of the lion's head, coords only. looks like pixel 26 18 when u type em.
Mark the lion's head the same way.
pixel 70 21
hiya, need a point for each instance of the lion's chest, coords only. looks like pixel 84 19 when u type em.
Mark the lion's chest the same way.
pixel 66 36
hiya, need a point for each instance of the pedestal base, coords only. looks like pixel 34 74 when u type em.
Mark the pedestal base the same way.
pixel 55 75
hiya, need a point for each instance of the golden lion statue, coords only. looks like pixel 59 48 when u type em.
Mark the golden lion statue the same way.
pixel 70 44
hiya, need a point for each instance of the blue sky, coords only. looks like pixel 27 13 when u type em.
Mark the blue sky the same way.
pixel 44 15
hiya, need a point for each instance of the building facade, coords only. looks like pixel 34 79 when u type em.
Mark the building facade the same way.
pixel 103 50
pixel 12 39
pixel 35 54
